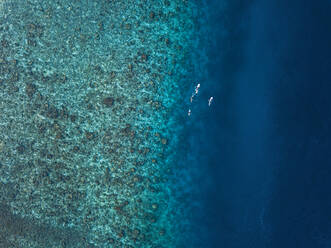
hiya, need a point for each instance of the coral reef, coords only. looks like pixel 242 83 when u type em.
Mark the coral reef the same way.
pixel 90 118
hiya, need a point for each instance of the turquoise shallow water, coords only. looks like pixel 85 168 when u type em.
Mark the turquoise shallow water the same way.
pixel 93 128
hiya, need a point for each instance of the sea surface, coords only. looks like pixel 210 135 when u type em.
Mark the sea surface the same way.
pixel 165 124
pixel 268 134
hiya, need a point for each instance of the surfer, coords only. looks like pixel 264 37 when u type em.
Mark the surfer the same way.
pixel 191 99
pixel 197 88
pixel 210 100
pixel 196 91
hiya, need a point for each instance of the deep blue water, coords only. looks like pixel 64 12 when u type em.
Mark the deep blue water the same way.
pixel 266 143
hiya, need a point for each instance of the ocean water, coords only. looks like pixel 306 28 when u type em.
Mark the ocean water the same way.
pixel 104 142
pixel 268 139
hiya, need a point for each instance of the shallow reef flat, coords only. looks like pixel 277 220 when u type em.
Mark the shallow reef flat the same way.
pixel 91 103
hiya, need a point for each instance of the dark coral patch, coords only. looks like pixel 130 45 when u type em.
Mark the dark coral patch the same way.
pixel 52 112
pixel 21 149
pixel 30 89
pixel 108 101
pixel 89 135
